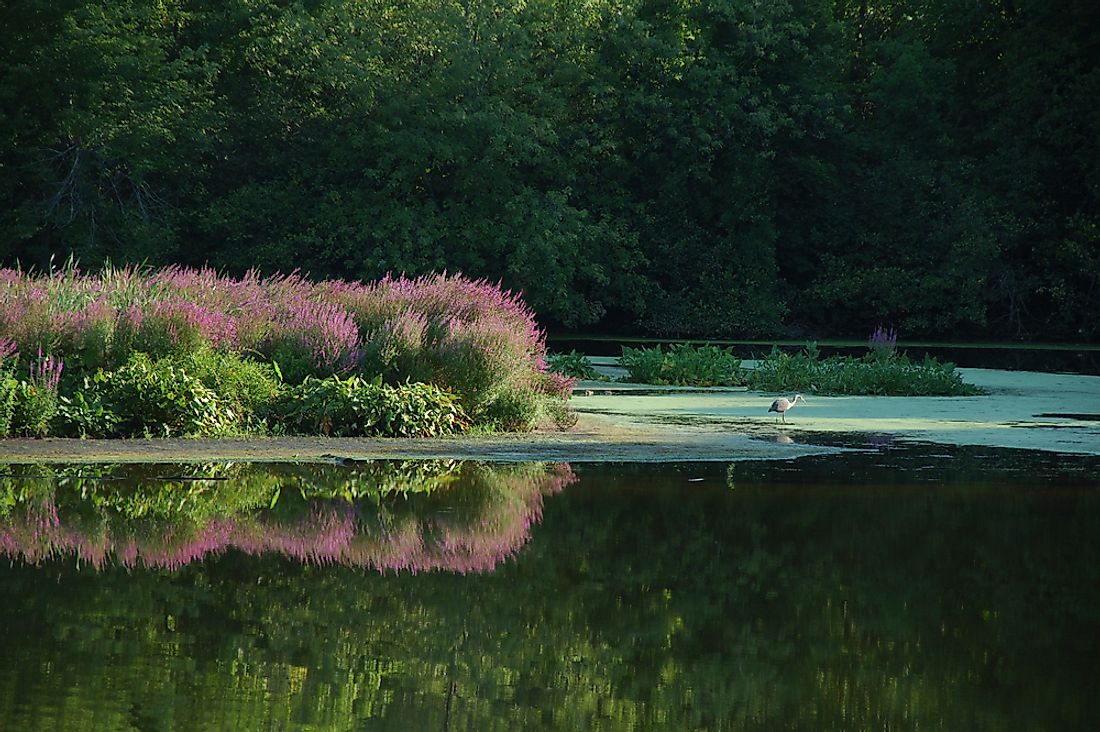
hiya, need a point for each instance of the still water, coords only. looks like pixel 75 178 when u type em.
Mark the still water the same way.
pixel 901 588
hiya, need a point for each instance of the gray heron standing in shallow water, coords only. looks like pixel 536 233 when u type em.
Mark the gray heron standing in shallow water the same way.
pixel 783 405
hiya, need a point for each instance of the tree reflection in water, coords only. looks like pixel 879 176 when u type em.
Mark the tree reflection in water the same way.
pixel 908 589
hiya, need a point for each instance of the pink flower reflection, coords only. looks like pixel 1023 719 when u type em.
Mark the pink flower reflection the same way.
pixel 439 537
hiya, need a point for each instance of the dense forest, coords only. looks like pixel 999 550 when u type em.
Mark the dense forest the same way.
pixel 677 167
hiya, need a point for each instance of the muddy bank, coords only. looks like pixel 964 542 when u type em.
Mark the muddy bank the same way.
pixel 595 438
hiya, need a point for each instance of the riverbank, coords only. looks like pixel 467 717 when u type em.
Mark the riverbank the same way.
pixel 639 423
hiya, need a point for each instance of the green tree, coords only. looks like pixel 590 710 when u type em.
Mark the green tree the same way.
pixel 106 129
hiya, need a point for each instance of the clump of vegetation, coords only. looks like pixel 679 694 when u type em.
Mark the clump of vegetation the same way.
pixel 36 399
pixel 882 371
pixel 209 354
pixel 206 394
pixel 576 365
pixel 153 398
pixel 683 365
pixel 27 406
pixel 355 407
pixel 8 385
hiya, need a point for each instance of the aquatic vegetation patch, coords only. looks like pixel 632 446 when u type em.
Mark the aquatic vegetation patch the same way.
pixel 355 407
pixel 683 365
pixel 882 371
pixel 575 365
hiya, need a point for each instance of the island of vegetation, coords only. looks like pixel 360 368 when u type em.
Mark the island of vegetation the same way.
pixel 181 352
pixel 189 352
pixel 883 370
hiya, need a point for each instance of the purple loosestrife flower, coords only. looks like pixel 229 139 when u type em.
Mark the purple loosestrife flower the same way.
pixel 554 384
pixel 251 304
pixel 317 331
pixel 184 323
pixel 326 332
pixel 25 315
pixel 883 340
pixel 88 331
pixel 444 298
pixel 46 372
pixel 8 349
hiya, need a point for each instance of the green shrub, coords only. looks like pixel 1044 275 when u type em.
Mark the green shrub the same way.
pixel 293 360
pixel 35 401
pixel 85 414
pixel 563 415
pixel 353 406
pixel 34 408
pixel 573 364
pixel 8 387
pixel 513 410
pixel 781 371
pixel 199 393
pixel 162 399
pixel 879 372
pixel 251 389
pixel 683 365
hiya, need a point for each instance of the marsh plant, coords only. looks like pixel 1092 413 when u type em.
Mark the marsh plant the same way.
pixel 354 407
pixel 683 365
pixel 575 365
pixel 8 384
pixel 127 334
pixel 883 342
pixel 882 371
pixel 36 398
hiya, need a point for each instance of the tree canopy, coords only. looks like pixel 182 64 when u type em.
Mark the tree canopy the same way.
pixel 682 167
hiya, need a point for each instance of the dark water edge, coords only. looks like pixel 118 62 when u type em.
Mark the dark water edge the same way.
pixel 1055 360
pixel 902 588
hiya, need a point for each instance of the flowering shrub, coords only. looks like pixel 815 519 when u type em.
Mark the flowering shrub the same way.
pixel 467 337
pixel 36 400
pixel 181 326
pixel 883 342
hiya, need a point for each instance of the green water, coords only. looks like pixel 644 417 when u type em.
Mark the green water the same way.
pixel 896 589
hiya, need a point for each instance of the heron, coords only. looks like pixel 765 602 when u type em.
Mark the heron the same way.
pixel 783 405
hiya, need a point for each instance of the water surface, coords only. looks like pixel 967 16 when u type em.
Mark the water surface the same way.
pixel 901 588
